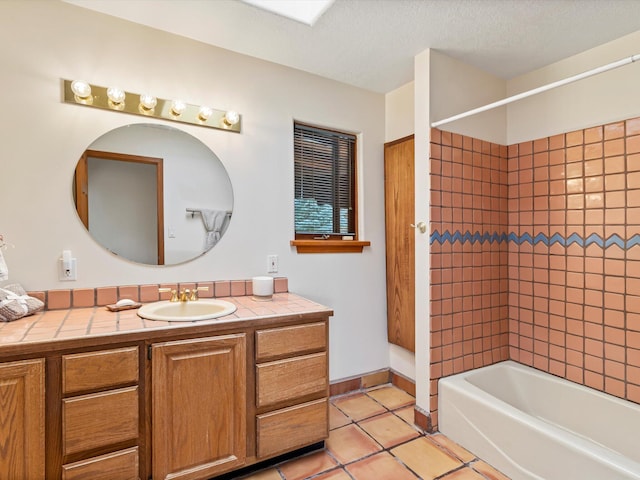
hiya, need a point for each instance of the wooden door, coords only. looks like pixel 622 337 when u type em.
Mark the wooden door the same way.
pixel 108 214
pixel 22 420
pixel 199 407
pixel 399 187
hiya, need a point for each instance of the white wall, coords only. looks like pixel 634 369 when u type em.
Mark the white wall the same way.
pixel 399 112
pixel 43 41
pixel 597 100
pixel 457 87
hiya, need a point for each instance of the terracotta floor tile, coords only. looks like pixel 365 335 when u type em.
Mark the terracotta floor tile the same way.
pixel 391 397
pixel 425 458
pixel 337 418
pixel 307 466
pixel 406 413
pixel 464 474
pixel 271 474
pixel 359 406
pixel 488 471
pixel 339 474
pixel 380 466
pixel 388 430
pixel 354 451
pixel 350 443
pixel 453 447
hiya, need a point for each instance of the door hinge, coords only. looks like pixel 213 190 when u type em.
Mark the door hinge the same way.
pixel 149 358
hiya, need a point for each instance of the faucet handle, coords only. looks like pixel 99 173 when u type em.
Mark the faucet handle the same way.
pixel 194 292
pixel 174 293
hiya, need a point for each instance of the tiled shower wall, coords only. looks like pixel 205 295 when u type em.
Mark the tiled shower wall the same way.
pixel 574 268
pixel 535 256
pixel 469 256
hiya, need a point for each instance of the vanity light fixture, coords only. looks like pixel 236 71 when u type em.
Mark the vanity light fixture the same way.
pixel 178 107
pixel 116 95
pixel 204 113
pixel 115 99
pixel 148 102
pixel 81 89
pixel 231 118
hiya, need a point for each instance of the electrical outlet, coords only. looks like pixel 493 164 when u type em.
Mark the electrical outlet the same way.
pixel 272 263
pixel 68 270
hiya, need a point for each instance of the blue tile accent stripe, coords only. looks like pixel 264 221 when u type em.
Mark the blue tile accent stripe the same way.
pixel 496 237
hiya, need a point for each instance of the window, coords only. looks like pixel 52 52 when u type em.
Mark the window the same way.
pixel 325 187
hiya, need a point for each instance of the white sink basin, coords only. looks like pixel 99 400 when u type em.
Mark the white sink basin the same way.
pixel 203 309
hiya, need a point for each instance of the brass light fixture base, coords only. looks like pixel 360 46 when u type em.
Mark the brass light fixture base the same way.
pixel 163 109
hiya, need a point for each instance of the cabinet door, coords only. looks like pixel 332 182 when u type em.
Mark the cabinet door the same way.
pixel 199 407
pixel 22 420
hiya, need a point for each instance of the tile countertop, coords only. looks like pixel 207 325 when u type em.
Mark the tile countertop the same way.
pixel 53 329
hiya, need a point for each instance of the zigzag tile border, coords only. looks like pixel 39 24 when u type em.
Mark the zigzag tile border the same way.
pixel 496 237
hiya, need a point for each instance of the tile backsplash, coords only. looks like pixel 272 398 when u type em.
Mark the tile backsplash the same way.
pixel 535 256
pixel 89 297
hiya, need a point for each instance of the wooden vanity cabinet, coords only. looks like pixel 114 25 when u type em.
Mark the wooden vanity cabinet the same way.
pixel 22 419
pixel 187 403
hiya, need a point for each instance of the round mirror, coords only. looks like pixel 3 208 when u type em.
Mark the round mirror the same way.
pixel 152 194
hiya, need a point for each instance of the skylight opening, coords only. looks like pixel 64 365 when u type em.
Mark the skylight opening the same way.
pixel 303 11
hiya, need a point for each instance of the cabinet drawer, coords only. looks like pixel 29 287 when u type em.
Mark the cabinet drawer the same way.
pixel 103 369
pixel 99 419
pixel 122 465
pixel 288 341
pixel 291 378
pixel 292 427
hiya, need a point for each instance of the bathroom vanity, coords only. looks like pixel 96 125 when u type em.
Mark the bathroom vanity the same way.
pixel 87 393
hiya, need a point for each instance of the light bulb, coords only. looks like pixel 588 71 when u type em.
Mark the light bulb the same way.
pixel 205 113
pixel 115 95
pixel 178 107
pixel 81 89
pixel 148 102
pixel 231 118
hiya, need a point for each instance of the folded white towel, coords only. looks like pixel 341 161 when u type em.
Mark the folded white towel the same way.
pixel 213 221
pixel 15 303
pixel 4 271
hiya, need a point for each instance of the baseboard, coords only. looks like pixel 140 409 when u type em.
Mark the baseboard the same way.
pixel 422 420
pixel 373 379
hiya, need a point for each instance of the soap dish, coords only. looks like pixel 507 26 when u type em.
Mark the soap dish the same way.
pixel 117 308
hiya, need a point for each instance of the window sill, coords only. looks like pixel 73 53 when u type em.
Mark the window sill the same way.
pixel 329 246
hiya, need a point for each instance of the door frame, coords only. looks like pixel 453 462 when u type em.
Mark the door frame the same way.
pixel 81 188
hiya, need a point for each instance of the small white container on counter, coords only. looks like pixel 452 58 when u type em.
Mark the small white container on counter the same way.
pixel 262 288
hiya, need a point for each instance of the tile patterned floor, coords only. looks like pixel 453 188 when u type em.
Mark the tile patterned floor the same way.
pixel 372 437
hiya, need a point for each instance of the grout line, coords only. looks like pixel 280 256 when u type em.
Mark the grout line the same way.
pixel 339 466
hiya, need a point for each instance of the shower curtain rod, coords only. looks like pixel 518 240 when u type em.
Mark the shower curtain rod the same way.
pixel 544 88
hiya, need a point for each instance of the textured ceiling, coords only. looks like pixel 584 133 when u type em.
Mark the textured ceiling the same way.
pixel 371 43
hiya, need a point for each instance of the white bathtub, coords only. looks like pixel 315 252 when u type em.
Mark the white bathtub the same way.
pixel 532 425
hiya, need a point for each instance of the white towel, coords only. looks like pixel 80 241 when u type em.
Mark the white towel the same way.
pixel 15 303
pixel 213 221
pixel 4 271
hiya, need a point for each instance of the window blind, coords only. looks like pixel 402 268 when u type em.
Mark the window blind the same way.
pixel 324 181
